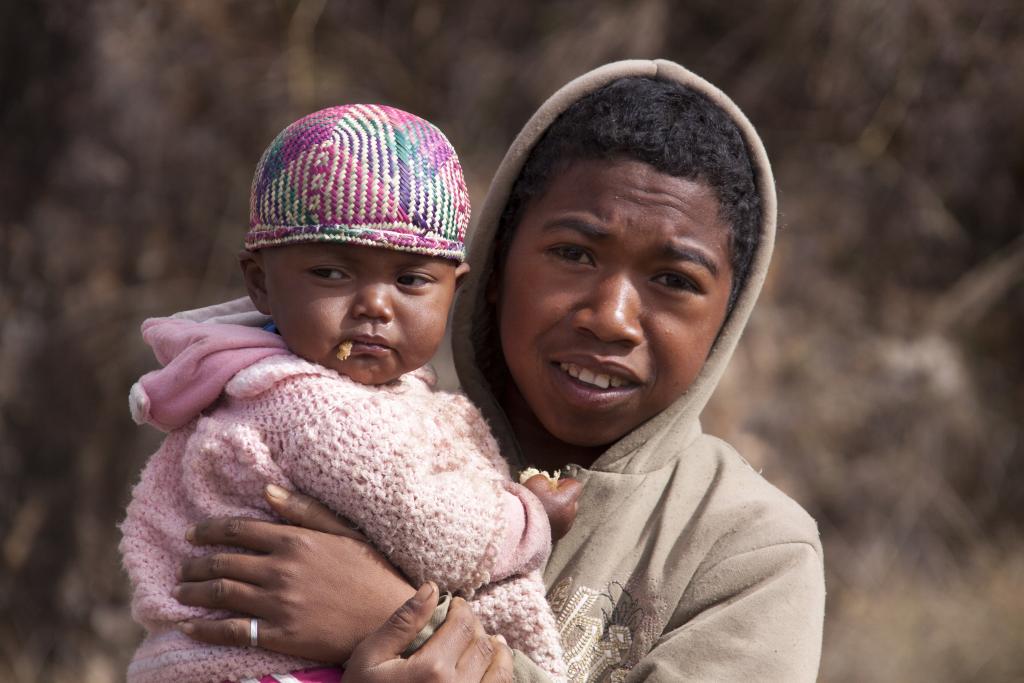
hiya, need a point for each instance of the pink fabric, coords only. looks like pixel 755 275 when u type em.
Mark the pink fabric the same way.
pixel 318 675
pixel 198 361
pixel 526 541
pixel 417 470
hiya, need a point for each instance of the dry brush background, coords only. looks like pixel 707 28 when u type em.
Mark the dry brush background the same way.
pixel 881 382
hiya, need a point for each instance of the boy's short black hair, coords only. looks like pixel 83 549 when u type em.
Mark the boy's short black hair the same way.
pixel 673 128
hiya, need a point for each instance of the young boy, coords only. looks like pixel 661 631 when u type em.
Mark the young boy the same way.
pixel 355 248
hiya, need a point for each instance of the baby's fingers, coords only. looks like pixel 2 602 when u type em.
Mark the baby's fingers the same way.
pixel 560 500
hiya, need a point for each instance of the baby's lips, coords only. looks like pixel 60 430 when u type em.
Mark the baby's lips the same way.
pixel 559 498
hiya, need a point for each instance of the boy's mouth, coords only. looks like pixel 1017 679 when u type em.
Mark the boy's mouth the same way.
pixel 595 378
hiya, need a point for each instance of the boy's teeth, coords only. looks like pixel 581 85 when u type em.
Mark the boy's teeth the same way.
pixel 590 377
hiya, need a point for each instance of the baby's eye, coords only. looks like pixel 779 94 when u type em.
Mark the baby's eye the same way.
pixel 329 273
pixel 677 281
pixel 413 280
pixel 573 253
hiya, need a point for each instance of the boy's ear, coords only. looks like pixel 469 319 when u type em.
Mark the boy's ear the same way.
pixel 461 271
pixel 255 278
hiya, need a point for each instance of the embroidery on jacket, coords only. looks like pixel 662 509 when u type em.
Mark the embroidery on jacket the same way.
pixel 604 633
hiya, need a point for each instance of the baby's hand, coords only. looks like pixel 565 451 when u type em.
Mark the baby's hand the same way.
pixel 558 496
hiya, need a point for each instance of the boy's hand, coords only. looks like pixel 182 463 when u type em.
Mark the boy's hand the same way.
pixel 316 591
pixel 460 650
pixel 560 499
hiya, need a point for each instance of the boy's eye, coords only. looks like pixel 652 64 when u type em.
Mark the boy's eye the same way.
pixel 572 253
pixel 329 273
pixel 677 281
pixel 413 280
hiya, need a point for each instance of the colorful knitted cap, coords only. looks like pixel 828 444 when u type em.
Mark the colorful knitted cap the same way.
pixel 363 174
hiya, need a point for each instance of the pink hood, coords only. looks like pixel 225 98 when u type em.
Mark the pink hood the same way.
pixel 199 358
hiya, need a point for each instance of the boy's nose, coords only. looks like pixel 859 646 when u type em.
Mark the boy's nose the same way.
pixel 374 303
pixel 611 312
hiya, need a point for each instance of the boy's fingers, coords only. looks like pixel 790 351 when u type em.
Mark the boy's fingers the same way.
pixel 240 532
pixel 476 658
pixel 501 666
pixel 234 632
pixel 458 632
pixel 235 566
pixel 309 513
pixel 228 632
pixel 397 633
pixel 226 594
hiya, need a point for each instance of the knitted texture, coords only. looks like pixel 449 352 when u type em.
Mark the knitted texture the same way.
pixel 364 174
pixel 415 469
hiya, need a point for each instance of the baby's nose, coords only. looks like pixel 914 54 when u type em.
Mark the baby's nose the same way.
pixel 373 302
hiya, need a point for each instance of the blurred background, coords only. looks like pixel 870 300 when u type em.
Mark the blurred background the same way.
pixel 881 382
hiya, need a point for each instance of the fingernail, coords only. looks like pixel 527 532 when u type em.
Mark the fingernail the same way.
pixel 423 593
pixel 501 639
pixel 190 534
pixel 186 628
pixel 178 573
pixel 276 492
pixel 175 592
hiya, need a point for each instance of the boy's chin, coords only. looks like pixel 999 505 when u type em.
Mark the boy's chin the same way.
pixel 599 431
pixel 584 435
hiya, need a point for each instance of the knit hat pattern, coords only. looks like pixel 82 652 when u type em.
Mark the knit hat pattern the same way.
pixel 363 174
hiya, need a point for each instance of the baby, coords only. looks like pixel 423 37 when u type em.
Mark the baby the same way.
pixel 355 248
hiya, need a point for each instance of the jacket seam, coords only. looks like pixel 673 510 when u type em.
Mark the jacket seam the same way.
pixel 810 545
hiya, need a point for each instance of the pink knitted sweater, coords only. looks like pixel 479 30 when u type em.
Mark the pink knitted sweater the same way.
pixel 416 469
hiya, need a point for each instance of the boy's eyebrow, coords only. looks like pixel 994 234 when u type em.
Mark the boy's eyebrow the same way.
pixel 678 252
pixel 579 225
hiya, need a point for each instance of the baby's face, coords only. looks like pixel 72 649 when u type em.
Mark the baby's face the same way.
pixel 386 308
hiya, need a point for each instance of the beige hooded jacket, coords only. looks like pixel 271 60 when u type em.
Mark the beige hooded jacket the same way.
pixel 683 562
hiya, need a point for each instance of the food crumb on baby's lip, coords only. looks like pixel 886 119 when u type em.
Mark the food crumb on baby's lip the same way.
pixel 344 349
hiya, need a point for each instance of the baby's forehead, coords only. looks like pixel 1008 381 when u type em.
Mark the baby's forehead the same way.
pixel 356 253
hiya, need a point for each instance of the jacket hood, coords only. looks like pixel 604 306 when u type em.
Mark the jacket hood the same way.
pixel 678 425
pixel 200 352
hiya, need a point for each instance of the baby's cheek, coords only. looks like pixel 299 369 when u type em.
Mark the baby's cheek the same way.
pixel 422 339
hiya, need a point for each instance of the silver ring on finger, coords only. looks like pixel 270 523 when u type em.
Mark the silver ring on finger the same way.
pixel 254 632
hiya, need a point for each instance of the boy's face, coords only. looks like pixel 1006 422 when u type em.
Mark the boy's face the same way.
pixel 391 305
pixel 614 288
